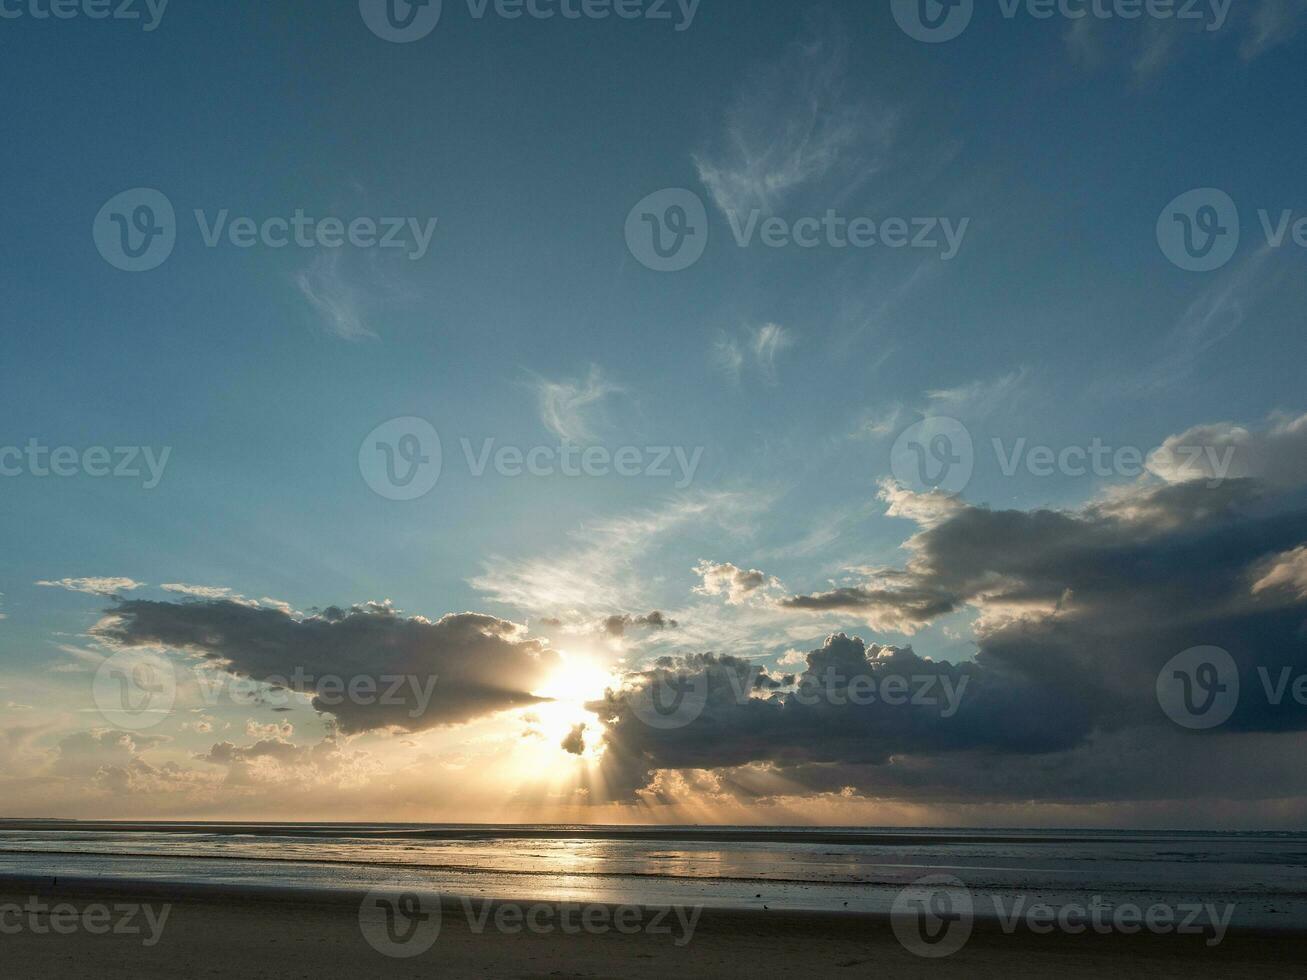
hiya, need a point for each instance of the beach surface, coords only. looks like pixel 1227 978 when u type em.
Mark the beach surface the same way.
pixel 216 931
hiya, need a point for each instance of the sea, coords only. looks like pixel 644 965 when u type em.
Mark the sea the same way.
pixel 1262 877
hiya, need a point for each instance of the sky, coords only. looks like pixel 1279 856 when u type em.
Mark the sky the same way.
pixel 782 412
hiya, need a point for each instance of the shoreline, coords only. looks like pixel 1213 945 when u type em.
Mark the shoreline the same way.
pixel 913 837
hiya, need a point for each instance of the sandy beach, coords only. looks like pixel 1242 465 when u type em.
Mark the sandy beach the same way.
pixel 213 931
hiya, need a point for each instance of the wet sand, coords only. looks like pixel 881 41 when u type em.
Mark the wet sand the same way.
pixel 214 931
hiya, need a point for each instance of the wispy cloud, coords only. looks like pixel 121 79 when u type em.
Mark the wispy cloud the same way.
pixel 1273 23
pixel 793 124
pixel 566 406
pixel 600 572
pixel 1155 45
pixel 1215 314
pixel 756 348
pixel 978 398
pixel 338 300
pixel 94 586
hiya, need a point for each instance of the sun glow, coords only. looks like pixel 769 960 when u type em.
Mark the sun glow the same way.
pixel 578 681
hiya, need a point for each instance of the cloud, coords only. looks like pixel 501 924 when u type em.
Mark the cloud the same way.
pixel 574 741
pixel 409 673
pixel 601 572
pixel 87 753
pixel 618 625
pixel 1286 571
pixel 978 398
pixel 95 586
pixel 1276 453
pixel 730 581
pixel 756 348
pixel 338 301
pixel 1149 48
pixel 793 124
pixel 565 406
pixel 1077 612
pixel 275 760
pixel 1272 24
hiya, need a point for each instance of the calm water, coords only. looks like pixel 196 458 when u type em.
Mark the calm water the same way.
pixel 1263 875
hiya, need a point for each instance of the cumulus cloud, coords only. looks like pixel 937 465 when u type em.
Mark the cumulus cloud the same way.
pixel 574 742
pixel 1077 613
pixel 1275 453
pixel 407 673
pixel 618 625
pixel 725 579
pixel 827 718
pixel 87 753
pixel 277 760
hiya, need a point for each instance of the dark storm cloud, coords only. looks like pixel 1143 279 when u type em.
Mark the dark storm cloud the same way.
pixel 1078 612
pixel 368 666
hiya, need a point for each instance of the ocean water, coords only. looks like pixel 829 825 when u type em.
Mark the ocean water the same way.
pixel 1262 875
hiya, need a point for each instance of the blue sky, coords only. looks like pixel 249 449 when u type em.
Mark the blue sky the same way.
pixel 1059 321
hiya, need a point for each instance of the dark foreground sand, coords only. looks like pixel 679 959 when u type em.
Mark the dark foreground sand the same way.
pixel 212 933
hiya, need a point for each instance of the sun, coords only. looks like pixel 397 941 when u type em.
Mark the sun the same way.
pixel 577 681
